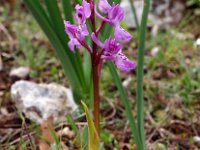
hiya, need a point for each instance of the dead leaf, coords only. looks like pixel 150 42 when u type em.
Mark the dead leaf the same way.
pixel 47 137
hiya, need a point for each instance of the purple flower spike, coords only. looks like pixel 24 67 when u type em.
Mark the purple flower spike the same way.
pixel 121 35
pixel 104 6
pixel 111 48
pixel 75 33
pixel 82 12
pixel 123 63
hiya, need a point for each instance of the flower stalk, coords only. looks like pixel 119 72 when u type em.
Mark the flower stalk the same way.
pixel 96 96
pixel 95 74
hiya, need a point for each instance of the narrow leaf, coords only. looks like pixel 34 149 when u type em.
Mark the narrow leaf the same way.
pixel 58 27
pixel 94 142
pixel 40 15
pixel 126 103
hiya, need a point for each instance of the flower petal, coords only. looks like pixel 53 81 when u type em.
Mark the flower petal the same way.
pixel 70 29
pixel 73 43
pixel 83 30
pixel 86 8
pixel 122 35
pixel 111 46
pixel 104 6
pixel 116 14
pixel 82 12
pixel 123 63
pixel 80 15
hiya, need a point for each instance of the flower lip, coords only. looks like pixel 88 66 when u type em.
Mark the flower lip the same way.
pixel 73 43
pixel 121 35
pixel 123 63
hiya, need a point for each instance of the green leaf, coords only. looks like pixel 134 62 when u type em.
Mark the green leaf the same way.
pixel 67 7
pixel 140 73
pixel 53 27
pixel 58 27
pixel 126 104
pixel 94 141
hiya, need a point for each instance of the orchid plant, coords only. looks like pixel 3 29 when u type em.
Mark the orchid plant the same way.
pixel 110 49
pixel 49 16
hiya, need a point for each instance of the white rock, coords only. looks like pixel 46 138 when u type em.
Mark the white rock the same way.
pixel 40 101
pixel 127 82
pixel 21 72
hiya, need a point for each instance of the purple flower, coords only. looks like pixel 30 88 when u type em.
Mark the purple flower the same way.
pixel 110 47
pixel 115 12
pixel 74 43
pixel 83 12
pixel 121 35
pixel 76 34
pixel 111 50
pixel 123 63
pixel 104 6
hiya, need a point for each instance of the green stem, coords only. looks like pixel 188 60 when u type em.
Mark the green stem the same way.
pixel 135 15
pixel 140 73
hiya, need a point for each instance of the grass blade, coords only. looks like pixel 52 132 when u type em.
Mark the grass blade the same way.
pixel 140 72
pixel 134 15
pixel 126 104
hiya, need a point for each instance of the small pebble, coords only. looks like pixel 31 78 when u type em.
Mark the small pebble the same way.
pixel 21 72
pixel 127 82
pixel 197 43
pixel 155 50
pixel 196 139
pixel 66 132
